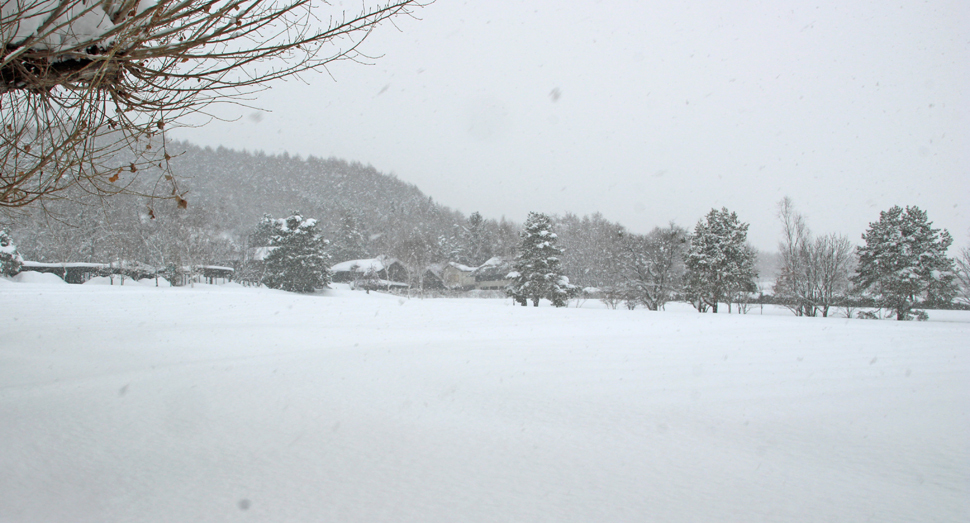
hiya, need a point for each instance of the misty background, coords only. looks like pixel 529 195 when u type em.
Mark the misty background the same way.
pixel 647 112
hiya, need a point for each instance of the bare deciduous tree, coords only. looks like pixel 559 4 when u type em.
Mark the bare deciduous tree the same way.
pixel 815 274
pixel 653 265
pixel 84 80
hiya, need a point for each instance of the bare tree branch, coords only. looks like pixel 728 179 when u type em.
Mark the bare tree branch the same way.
pixel 84 81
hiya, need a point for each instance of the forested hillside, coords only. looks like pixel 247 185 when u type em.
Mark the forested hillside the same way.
pixel 361 211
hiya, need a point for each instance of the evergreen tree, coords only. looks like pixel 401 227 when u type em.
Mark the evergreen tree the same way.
pixel 349 242
pixel 904 262
pixel 471 243
pixel 263 234
pixel 537 270
pixel 719 264
pixel 10 261
pixel 963 276
pixel 479 240
pixel 297 262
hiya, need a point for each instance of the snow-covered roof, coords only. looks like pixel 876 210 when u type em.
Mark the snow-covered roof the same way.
pixel 372 264
pixel 33 264
pixel 436 269
pixel 217 268
pixel 129 265
pixel 460 267
pixel 494 261
pixel 493 269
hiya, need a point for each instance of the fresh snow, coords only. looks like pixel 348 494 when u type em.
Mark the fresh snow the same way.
pixel 361 266
pixel 38 277
pixel 226 403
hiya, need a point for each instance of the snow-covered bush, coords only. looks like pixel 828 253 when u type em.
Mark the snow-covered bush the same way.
pixel 10 261
pixel 297 261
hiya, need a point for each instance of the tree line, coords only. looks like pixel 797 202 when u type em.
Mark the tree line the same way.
pixel 902 267
pixel 364 213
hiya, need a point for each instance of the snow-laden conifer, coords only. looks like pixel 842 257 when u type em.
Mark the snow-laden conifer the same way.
pixel 537 269
pixel 350 242
pixel 9 259
pixel 719 264
pixel 904 262
pixel 297 261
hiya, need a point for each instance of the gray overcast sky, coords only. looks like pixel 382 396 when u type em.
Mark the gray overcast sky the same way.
pixel 650 111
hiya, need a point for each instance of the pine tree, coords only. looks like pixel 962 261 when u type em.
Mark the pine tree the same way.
pixel 10 261
pixel 904 262
pixel 719 264
pixel 297 262
pixel 349 243
pixel 478 240
pixel 537 269
pixel 262 235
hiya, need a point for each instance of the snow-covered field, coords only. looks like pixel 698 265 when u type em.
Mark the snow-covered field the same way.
pixel 135 403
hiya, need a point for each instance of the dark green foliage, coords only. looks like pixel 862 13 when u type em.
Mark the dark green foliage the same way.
pixel 537 270
pixel 9 259
pixel 474 242
pixel 297 261
pixel 719 264
pixel 904 262
pixel 262 235
pixel 349 242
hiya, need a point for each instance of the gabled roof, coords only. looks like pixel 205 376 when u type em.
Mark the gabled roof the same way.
pixel 494 269
pixel 363 266
pixel 460 267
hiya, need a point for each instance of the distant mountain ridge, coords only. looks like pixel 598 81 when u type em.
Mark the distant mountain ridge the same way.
pixel 245 185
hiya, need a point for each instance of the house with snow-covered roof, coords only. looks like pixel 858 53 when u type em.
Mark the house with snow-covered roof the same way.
pixel 457 276
pixel 371 272
pixel 493 274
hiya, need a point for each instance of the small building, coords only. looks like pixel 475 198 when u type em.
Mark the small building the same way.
pixel 80 272
pixel 432 280
pixel 70 272
pixel 493 274
pixel 458 276
pixel 377 272
pixel 216 274
pixel 210 274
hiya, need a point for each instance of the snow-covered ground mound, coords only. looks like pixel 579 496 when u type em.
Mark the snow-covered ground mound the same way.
pixel 224 403
pixel 38 277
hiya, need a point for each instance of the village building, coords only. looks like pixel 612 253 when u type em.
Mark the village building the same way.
pixel 457 276
pixel 493 274
pixel 371 273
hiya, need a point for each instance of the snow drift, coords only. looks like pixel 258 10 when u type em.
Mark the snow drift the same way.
pixel 224 404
